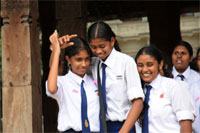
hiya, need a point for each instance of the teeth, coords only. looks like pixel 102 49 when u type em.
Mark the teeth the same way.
pixel 146 74
pixel 178 61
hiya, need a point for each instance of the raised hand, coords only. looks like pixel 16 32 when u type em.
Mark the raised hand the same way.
pixel 55 46
pixel 62 41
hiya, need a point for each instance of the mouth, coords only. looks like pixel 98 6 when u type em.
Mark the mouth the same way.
pixel 179 61
pixel 146 75
pixel 83 69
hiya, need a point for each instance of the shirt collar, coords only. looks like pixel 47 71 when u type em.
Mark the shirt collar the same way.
pixel 76 78
pixel 156 82
pixel 186 73
pixel 110 59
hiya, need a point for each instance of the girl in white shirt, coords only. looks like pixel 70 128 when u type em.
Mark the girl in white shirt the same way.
pixel 75 92
pixel 181 57
pixel 169 108
pixel 123 91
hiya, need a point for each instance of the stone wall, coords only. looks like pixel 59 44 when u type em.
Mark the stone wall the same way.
pixel 134 34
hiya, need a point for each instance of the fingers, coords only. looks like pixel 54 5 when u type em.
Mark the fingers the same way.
pixel 54 36
pixel 73 36
pixel 67 45
pixel 66 38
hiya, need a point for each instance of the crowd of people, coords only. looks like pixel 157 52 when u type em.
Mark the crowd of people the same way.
pixel 105 90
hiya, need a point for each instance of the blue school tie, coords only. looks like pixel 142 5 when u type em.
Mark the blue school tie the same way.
pixel 181 76
pixel 145 125
pixel 104 87
pixel 84 118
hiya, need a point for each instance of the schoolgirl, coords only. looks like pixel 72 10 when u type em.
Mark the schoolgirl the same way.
pixel 75 92
pixel 181 57
pixel 169 107
pixel 121 86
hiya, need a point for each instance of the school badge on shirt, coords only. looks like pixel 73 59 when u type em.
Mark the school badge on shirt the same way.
pixel 86 123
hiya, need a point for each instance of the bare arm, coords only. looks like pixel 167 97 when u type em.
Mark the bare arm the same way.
pixel 186 126
pixel 54 61
pixel 57 44
pixel 133 115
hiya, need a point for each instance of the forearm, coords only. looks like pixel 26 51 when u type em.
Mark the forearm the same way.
pixel 186 126
pixel 133 115
pixel 53 73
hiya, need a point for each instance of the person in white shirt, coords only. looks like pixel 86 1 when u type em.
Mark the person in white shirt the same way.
pixel 75 92
pixel 169 107
pixel 181 57
pixel 123 97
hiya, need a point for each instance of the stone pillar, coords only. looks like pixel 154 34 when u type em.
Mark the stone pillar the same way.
pixel 22 110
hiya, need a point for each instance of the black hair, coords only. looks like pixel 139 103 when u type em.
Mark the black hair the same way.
pixel 102 30
pixel 186 45
pixel 193 64
pixel 152 51
pixel 79 44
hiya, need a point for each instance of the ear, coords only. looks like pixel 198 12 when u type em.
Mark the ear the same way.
pixel 161 65
pixel 112 41
pixel 68 59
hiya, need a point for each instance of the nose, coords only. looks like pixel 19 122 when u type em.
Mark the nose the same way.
pixel 83 63
pixel 145 69
pixel 179 55
pixel 98 51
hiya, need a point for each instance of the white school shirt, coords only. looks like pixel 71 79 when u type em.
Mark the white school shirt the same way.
pixel 169 103
pixel 68 97
pixel 122 84
pixel 190 75
pixel 192 79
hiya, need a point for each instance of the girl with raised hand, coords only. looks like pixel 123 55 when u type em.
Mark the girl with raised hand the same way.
pixel 75 92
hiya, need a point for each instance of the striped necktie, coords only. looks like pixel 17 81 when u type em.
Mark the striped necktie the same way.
pixel 145 125
pixel 84 118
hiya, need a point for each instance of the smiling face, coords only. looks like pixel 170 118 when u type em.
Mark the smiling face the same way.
pixel 148 67
pixel 181 58
pixel 79 62
pixel 101 47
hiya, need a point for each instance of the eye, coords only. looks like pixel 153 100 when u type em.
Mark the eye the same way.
pixel 183 53
pixel 87 59
pixel 176 53
pixel 79 59
pixel 102 46
pixel 93 47
pixel 149 64
pixel 140 65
